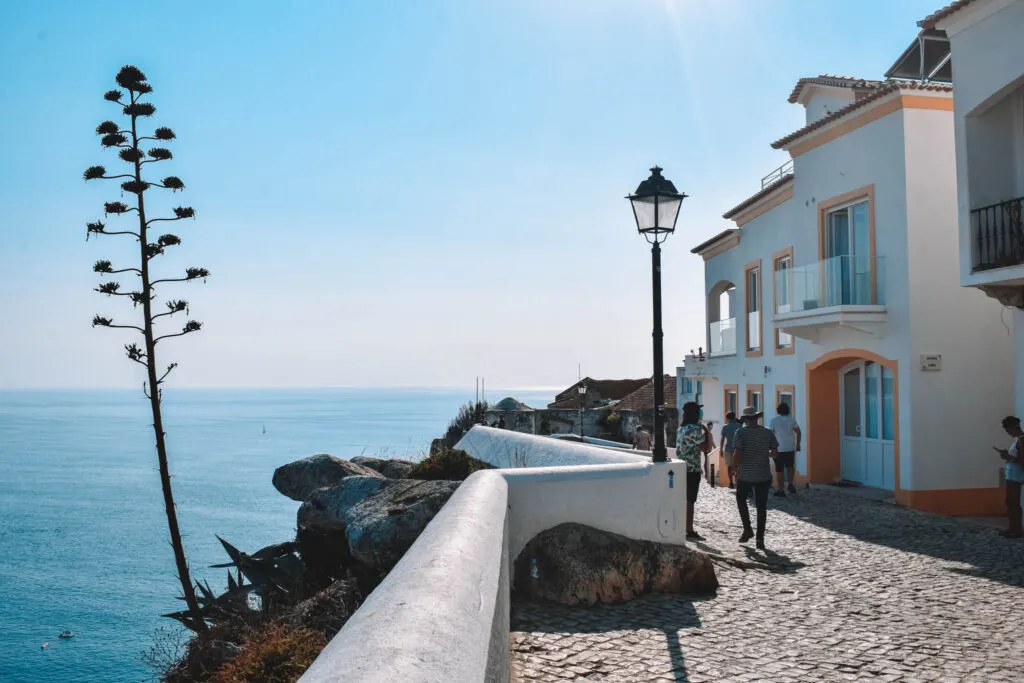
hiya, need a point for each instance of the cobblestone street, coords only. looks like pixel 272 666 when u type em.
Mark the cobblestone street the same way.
pixel 850 590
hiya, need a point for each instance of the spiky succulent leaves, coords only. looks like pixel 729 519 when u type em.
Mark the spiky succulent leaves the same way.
pixel 115 207
pixel 191 326
pixel 174 183
pixel 130 154
pixel 106 128
pixel 168 240
pixel 184 212
pixel 109 288
pixel 102 267
pixel 177 305
pixel 130 77
pixel 160 154
pixel 195 273
pixel 164 133
pixel 113 140
pixel 234 553
pixel 139 109
pixel 137 298
pixel 134 187
pixel 100 321
pixel 113 95
pixel 94 172
pixel 153 249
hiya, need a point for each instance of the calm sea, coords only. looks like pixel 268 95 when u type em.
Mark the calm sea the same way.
pixel 83 538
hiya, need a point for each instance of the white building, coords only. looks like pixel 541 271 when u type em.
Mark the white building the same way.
pixel 987 41
pixel 837 290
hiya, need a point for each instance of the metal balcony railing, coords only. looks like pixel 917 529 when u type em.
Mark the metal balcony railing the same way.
pixel 837 281
pixel 997 235
pixel 778 174
pixel 723 337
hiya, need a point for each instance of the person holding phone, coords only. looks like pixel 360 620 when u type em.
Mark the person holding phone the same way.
pixel 1014 475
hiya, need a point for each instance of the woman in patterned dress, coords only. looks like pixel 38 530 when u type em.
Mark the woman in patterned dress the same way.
pixel 692 442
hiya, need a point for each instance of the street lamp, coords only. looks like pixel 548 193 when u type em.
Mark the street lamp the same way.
pixel 655 207
pixel 582 389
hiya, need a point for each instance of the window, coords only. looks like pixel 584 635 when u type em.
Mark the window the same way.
pixel 786 397
pixel 687 386
pixel 753 280
pixel 783 294
pixel 848 255
pixel 754 392
pixel 730 402
pixel 888 409
pixel 871 406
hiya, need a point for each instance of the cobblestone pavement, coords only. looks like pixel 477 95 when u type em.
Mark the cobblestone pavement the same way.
pixel 850 590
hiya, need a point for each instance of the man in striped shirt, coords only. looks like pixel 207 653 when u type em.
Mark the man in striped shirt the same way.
pixel 753 447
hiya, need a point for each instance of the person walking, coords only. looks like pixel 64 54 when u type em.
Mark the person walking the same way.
pixel 641 439
pixel 693 441
pixel 787 433
pixel 1014 475
pixel 732 425
pixel 753 446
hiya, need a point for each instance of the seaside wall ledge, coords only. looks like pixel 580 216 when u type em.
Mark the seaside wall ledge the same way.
pixel 442 614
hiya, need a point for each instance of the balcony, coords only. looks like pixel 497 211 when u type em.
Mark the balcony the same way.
pixel 997 236
pixel 723 337
pixel 843 291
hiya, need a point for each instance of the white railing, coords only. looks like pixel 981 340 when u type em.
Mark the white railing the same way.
pixel 837 281
pixel 723 337
pixel 754 330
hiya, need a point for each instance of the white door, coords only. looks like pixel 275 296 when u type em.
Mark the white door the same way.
pixel 848 249
pixel 867 425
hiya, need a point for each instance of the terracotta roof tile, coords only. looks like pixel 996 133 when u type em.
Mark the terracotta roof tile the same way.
pixel 643 398
pixel 891 87
pixel 938 15
pixel 835 81
pixel 605 388
pixel 754 198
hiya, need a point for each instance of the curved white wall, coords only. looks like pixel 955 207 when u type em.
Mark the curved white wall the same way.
pixel 504 448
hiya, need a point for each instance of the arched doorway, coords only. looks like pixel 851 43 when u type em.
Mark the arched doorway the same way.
pixel 853 419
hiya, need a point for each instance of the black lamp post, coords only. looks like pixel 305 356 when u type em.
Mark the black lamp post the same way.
pixel 655 207
pixel 582 389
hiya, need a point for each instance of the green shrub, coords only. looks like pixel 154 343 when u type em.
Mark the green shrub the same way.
pixel 449 465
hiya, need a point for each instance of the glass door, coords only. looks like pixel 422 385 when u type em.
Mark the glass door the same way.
pixel 848 256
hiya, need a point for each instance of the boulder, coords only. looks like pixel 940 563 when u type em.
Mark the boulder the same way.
pixel 326 507
pixel 299 479
pixel 383 525
pixel 392 469
pixel 580 565
pixel 327 611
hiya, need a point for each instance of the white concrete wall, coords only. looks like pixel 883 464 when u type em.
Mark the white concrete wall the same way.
pixel 506 449
pixel 1017 316
pixel 408 630
pixel 826 100
pixel 988 63
pixel 973 390
pixel 442 612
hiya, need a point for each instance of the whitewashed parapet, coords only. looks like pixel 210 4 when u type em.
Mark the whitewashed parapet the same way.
pixel 442 612
pixel 505 448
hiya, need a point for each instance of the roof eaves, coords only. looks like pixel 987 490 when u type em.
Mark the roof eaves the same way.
pixel 889 89
pixel 834 81
pixel 755 198
pixel 707 244
pixel 938 15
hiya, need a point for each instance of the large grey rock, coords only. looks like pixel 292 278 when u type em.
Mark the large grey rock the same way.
pixel 577 564
pixel 326 507
pixel 299 479
pixel 382 526
pixel 392 469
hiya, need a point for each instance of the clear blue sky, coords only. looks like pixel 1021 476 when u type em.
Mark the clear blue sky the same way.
pixel 402 193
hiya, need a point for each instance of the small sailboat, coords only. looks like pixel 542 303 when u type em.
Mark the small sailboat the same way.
pixel 264 429
pixel 66 634
pixel 44 646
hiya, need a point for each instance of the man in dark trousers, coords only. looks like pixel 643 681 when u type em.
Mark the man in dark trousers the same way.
pixel 753 448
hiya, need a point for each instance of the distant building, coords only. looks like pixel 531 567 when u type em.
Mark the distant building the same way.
pixel 598 392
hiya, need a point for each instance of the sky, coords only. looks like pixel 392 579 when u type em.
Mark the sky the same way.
pixel 400 193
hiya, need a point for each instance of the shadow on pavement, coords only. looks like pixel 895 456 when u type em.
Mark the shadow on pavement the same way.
pixel 669 614
pixel 946 538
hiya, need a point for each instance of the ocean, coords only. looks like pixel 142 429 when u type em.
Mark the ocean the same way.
pixel 83 537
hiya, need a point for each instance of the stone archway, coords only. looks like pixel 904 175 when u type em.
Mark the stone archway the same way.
pixel 823 406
